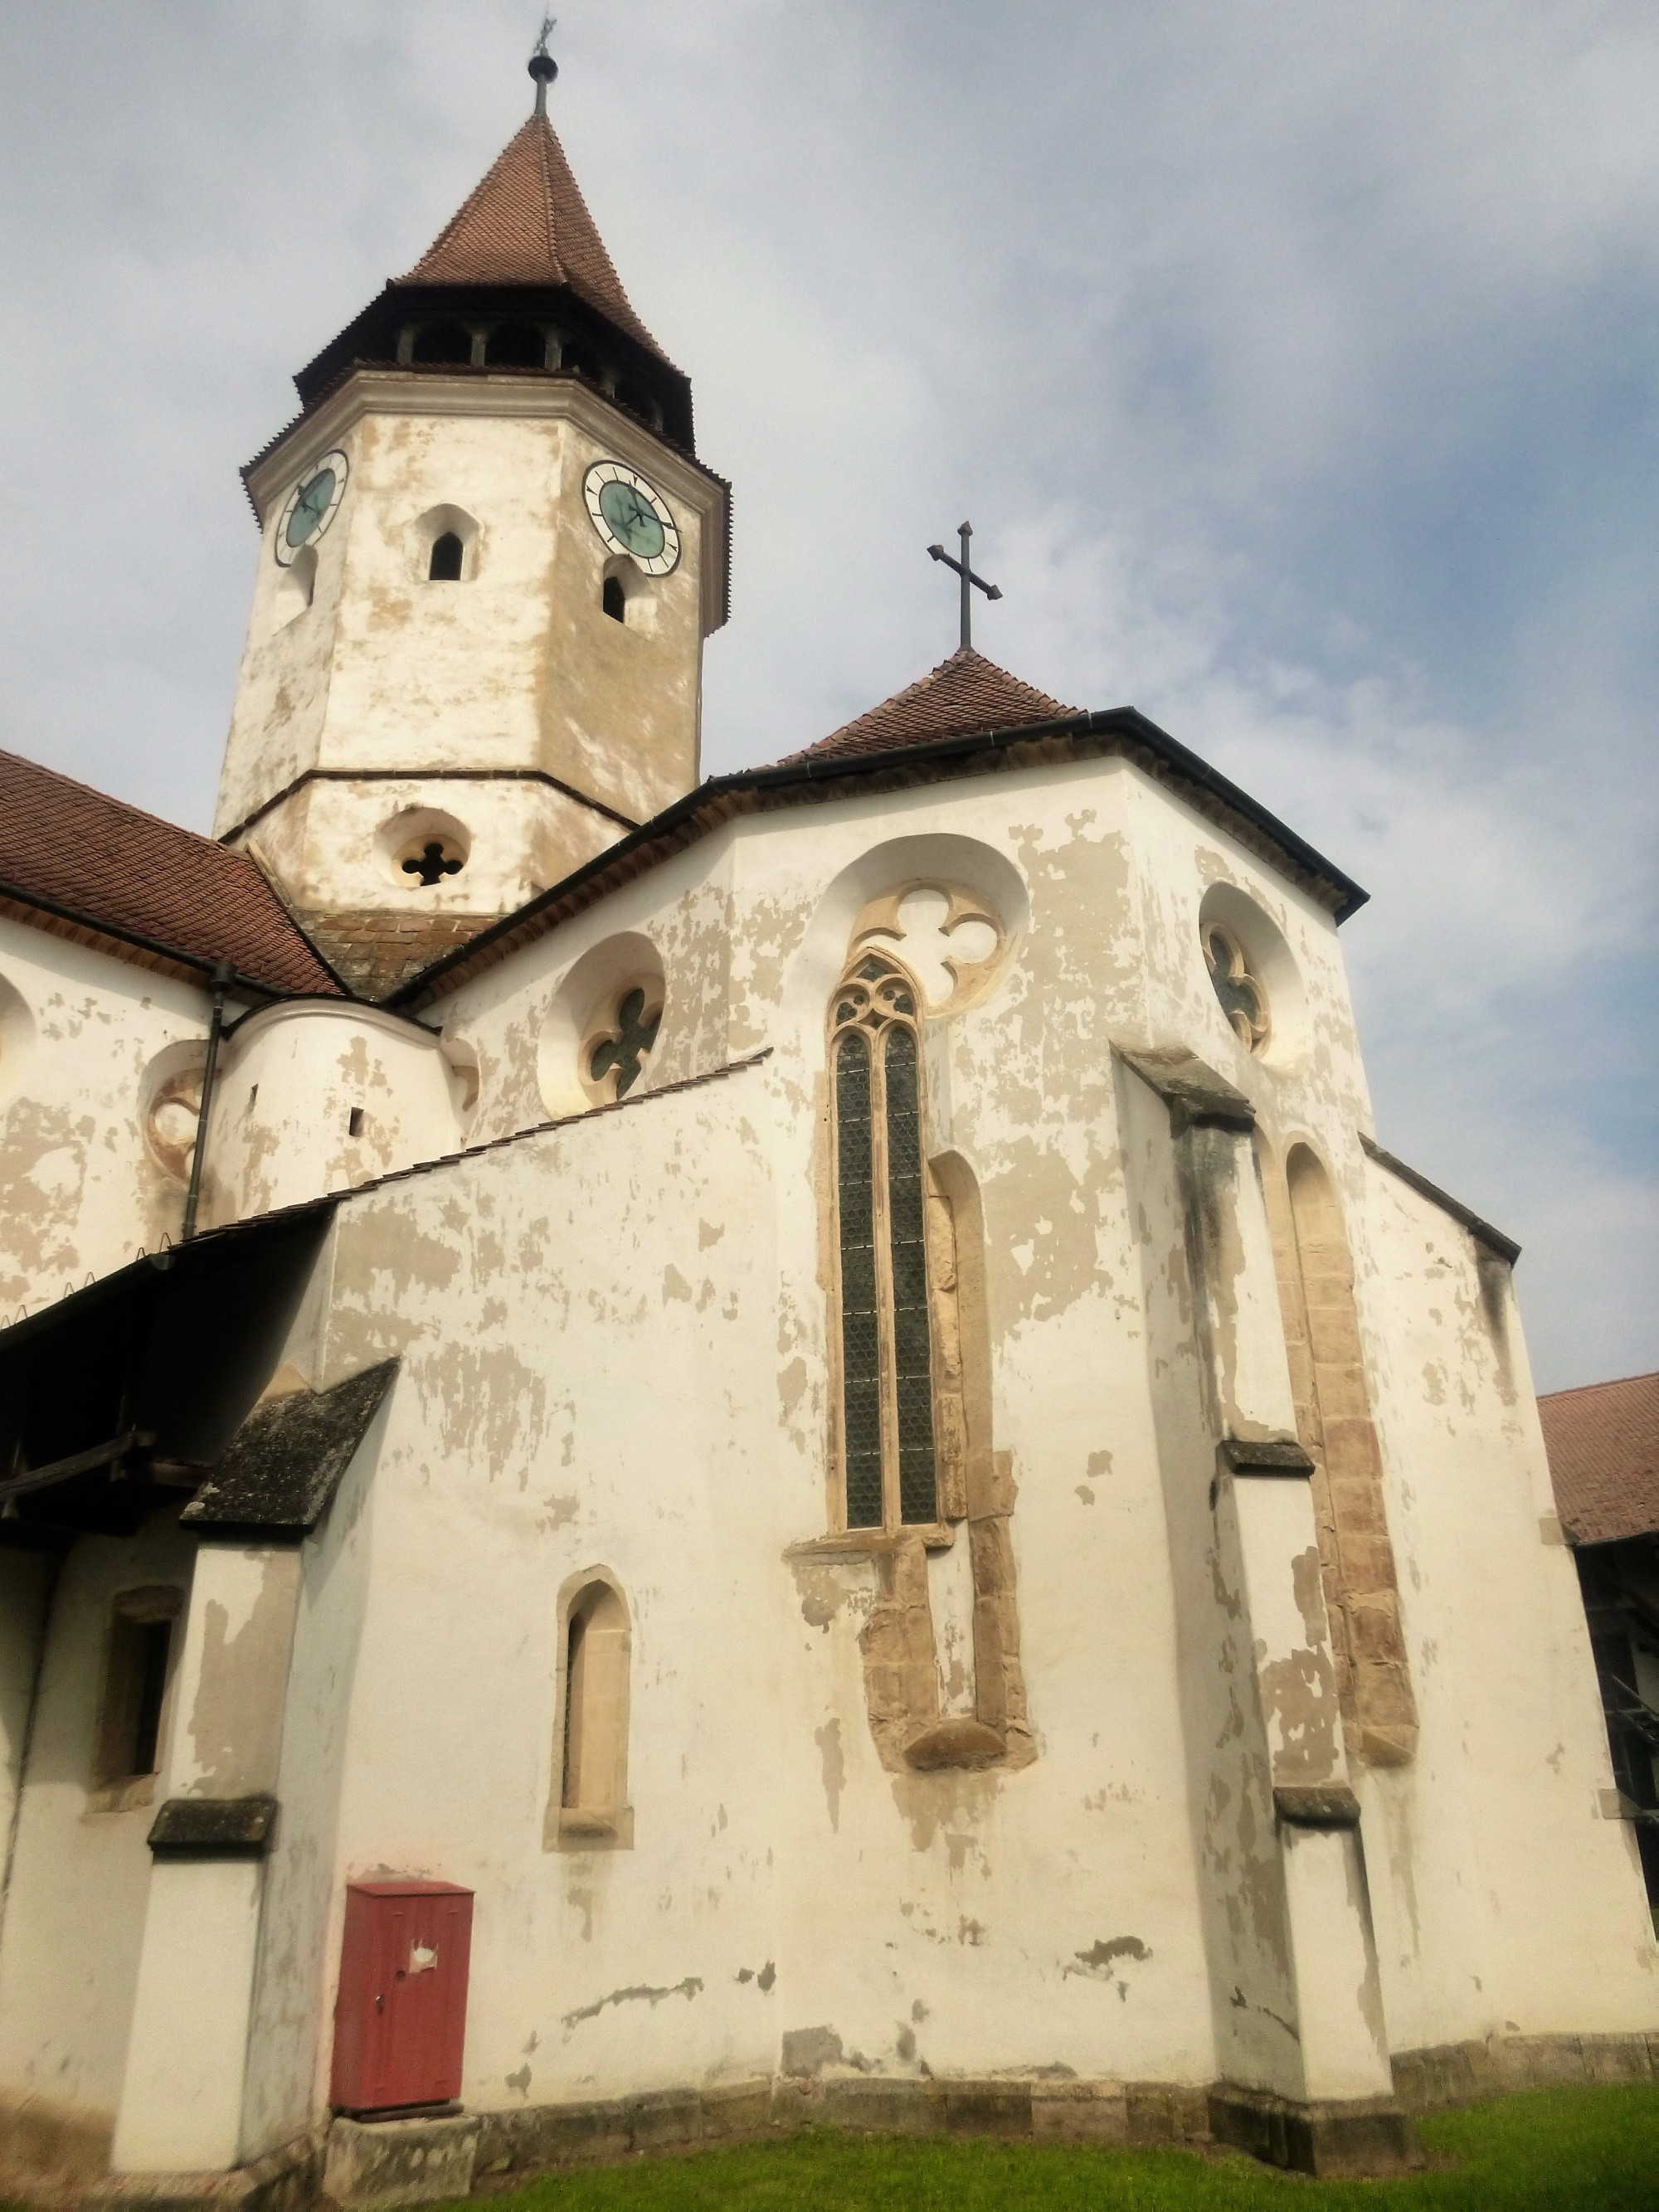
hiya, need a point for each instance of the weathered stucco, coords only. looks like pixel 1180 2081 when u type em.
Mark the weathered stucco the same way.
pixel 617 1366
pixel 409 696
pixel 89 1045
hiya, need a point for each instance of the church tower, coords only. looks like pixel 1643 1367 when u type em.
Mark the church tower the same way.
pixel 490 557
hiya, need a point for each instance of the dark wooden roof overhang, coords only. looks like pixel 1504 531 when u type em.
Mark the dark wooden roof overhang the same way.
pixel 1115 730
pixel 119 1398
pixel 371 338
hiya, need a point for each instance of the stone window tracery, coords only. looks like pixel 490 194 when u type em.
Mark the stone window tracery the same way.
pixel 1238 991
pixel 889 1467
pixel 615 1055
pixel 948 937
pixel 431 862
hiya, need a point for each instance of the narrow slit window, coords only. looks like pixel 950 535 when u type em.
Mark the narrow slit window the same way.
pixel 614 599
pixel 140 1651
pixel 887 1439
pixel 593 1809
pixel 447 552
pixel 154 1641
pixel 575 1691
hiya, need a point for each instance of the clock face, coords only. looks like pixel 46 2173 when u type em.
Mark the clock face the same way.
pixel 632 517
pixel 312 505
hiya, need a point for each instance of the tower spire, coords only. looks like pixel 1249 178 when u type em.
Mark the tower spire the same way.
pixel 542 66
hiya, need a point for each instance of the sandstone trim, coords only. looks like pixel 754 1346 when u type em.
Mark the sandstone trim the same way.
pixel 1336 1429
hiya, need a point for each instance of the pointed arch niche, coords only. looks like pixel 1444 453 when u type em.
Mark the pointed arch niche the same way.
pixel 1336 1429
pixel 587 1807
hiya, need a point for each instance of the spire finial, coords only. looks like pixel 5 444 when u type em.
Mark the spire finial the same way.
pixel 543 67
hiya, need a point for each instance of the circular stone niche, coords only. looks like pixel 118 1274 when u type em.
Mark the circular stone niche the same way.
pixel 172 1106
pixel 422 849
pixel 600 1032
pixel 1264 979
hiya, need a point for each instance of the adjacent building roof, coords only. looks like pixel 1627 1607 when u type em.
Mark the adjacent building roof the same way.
pixel 1603 1446
pixel 527 223
pixel 83 865
pixel 966 692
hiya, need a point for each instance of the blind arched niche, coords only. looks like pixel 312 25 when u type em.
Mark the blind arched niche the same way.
pixel 1335 1424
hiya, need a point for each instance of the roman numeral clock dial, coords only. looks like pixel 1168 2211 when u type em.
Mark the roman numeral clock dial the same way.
pixel 632 517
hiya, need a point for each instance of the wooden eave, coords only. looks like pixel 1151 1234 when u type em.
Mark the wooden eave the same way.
pixel 1114 732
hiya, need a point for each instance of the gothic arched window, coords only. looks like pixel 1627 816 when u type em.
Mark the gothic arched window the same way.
pixel 886 1352
pixel 447 554
pixel 614 599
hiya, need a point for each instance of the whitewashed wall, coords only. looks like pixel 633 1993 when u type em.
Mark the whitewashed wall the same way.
pixel 84 1039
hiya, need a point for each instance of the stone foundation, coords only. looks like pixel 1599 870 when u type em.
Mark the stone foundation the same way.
pixel 514 2145
pixel 372 2167
pixel 1463 2073
pixel 290 2179
pixel 1334 2140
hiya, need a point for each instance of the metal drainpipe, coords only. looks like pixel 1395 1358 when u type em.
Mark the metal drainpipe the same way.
pixel 48 1594
pixel 221 976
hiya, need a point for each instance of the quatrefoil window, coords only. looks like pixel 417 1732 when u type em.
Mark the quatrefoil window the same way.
pixel 618 1057
pixel 1240 996
pixel 948 939
pixel 432 863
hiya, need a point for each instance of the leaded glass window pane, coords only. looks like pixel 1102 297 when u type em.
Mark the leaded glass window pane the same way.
pixel 912 1376
pixel 859 1342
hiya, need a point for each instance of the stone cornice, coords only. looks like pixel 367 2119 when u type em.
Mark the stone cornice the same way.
pixel 539 396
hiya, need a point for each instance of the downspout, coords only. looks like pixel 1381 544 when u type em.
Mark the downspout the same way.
pixel 49 1592
pixel 221 976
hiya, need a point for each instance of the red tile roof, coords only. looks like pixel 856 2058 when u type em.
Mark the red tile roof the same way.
pixel 965 693
pixel 111 867
pixel 527 223
pixel 1603 1446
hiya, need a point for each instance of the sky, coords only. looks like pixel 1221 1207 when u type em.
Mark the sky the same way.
pixel 1297 365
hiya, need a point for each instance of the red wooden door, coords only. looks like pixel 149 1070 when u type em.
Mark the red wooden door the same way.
pixel 400 2016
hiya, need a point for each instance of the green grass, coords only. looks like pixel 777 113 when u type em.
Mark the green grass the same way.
pixel 1597 2147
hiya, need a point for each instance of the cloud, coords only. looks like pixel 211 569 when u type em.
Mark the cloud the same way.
pixel 1299 369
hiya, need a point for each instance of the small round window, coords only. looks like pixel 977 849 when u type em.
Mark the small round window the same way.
pixel 1242 998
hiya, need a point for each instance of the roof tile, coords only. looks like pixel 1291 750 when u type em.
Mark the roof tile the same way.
pixel 1603 1446
pixel 527 223
pixel 113 865
pixel 965 693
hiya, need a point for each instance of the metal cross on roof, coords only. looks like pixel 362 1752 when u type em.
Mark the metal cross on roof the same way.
pixel 542 66
pixel 965 532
